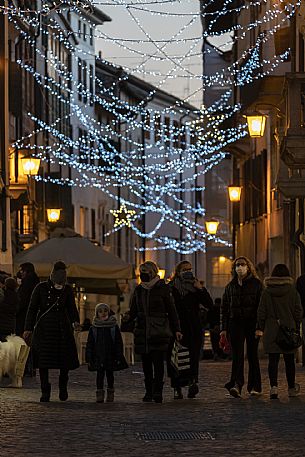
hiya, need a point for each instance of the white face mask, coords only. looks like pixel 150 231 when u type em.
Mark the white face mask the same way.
pixel 241 270
pixel 58 286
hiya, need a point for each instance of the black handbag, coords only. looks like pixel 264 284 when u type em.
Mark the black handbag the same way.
pixel 158 328
pixel 287 338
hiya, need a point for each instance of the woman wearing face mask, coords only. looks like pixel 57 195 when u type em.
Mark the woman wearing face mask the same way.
pixel 238 322
pixel 190 298
pixel 49 323
pixel 153 310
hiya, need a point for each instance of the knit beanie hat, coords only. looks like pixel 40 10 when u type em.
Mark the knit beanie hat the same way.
pixel 101 306
pixel 58 273
pixel 149 267
pixel 10 283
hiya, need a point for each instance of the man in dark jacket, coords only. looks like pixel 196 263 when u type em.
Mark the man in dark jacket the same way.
pixel 156 320
pixel 8 308
pixel 28 281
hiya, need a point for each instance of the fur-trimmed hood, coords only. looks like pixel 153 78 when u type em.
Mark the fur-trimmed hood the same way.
pixel 278 286
pixel 278 280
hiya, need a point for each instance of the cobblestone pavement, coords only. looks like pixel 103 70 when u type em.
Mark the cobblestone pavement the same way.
pixel 80 427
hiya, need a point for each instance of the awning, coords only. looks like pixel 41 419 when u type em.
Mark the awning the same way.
pixel 89 266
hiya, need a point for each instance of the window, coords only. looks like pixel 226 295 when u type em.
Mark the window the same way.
pixel 147 127
pixel 175 134
pixel 91 84
pixel 158 135
pixel 85 32
pixel 93 219
pixel 91 36
pixel 167 132
pixel 182 137
pixel 80 88
pixel 85 82
pixel 83 146
pixel 79 29
pixel 82 221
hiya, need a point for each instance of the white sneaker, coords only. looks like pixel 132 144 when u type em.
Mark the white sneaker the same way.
pixel 294 391
pixel 255 393
pixel 235 392
pixel 273 393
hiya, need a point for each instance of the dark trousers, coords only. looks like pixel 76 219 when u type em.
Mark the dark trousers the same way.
pixel 153 368
pixel 215 338
pixel 241 331
pixel 100 376
pixel 289 366
pixel 44 378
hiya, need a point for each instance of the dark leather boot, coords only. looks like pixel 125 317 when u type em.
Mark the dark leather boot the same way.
pixel 45 393
pixel 63 390
pixel 158 391
pixel 148 397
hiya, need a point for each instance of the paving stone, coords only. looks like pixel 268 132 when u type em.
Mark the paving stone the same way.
pixel 80 427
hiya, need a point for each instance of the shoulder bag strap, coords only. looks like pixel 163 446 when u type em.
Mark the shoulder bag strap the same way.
pixel 46 312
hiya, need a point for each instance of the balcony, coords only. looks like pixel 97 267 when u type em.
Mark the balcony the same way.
pixel 292 145
pixel 291 175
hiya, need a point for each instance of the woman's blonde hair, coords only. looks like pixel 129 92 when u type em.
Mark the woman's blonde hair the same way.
pixel 178 268
pixel 250 266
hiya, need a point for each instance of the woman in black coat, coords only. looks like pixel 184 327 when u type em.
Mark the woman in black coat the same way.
pixel 50 319
pixel 191 299
pixel 8 309
pixel 156 321
pixel 238 322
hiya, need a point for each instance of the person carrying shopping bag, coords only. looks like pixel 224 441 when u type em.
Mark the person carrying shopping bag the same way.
pixel 280 305
pixel 190 299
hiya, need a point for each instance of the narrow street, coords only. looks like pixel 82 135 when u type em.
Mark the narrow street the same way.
pixel 80 427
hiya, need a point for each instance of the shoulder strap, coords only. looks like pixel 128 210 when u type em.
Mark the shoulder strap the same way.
pixel 112 331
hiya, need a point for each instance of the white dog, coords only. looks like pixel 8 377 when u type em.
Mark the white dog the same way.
pixel 13 356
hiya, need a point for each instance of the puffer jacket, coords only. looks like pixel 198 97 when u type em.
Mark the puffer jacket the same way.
pixel 155 302
pixel 280 300
pixel 240 302
pixel 104 349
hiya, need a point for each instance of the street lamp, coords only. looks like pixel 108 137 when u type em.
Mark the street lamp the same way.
pixel 161 273
pixel 212 227
pixel 30 166
pixel 256 124
pixel 234 193
pixel 53 214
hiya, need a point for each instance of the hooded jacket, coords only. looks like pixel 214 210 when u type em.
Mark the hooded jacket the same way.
pixel 280 300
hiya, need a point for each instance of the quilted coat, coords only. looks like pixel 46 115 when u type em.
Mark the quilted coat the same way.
pixel 50 317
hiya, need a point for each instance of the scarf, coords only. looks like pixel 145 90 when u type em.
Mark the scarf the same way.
pixel 184 286
pixel 110 322
pixel 151 283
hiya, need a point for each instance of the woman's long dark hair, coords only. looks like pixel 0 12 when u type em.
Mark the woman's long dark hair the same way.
pixel 280 270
